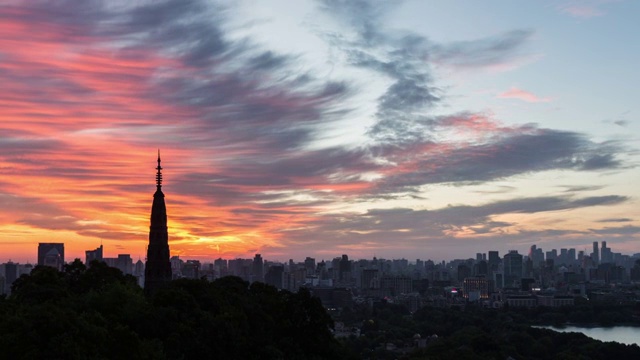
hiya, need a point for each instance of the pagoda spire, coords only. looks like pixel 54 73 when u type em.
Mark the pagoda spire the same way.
pixel 158 268
pixel 159 173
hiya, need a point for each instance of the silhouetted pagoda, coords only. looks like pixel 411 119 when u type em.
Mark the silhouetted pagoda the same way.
pixel 157 271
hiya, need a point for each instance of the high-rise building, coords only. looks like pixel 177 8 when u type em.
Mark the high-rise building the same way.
pixel 494 260
pixel 310 265
pixel 344 273
pixel 10 275
pixel 536 255
pixel 258 268
pixel 595 255
pixel 606 256
pixel 191 269
pixel 512 264
pixel 571 256
pixel 157 271
pixel 124 262
pixel 275 276
pixel 51 254
pixel 91 255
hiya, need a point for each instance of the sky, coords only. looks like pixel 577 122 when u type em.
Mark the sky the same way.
pixel 399 129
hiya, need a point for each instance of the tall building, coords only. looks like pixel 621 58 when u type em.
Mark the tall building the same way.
pixel 275 276
pixel 157 271
pixel 606 256
pixel 310 265
pixel 51 254
pixel 595 255
pixel 257 268
pixel 344 272
pixel 512 264
pixel 494 260
pixel 10 275
pixel 124 262
pixel 91 255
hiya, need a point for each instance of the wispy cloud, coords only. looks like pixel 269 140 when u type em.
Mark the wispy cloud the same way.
pixel 583 12
pixel 585 9
pixel 516 93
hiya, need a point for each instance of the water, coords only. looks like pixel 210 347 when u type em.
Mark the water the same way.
pixel 623 334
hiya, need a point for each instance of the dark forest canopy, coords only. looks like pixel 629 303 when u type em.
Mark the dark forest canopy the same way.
pixel 100 313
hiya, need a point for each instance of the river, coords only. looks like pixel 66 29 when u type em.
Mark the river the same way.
pixel 623 334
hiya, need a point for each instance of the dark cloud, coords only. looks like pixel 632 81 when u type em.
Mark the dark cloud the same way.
pixel 616 220
pixel 503 154
pixel 407 225
pixel 623 230
pixel 574 188
pixel 19 149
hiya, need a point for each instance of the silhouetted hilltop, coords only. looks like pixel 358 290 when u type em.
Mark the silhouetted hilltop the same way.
pixel 99 313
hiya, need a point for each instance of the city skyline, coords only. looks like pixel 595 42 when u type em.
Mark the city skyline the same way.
pixel 410 129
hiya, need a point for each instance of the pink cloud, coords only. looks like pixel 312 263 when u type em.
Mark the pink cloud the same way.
pixel 583 12
pixel 515 93
pixel 585 9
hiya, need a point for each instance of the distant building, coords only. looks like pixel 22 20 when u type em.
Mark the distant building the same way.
pixel 475 288
pixel 344 271
pixel 51 254
pixel 527 301
pixel 512 266
pixel 10 275
pixel 555 301
pixel 275 276
pixel 494 260
pixel 395 285
pixel 191 269
pixel 258 268
pixel 91 255
pixel 125 263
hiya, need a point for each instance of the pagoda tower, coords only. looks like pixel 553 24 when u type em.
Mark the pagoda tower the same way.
pixel 157 271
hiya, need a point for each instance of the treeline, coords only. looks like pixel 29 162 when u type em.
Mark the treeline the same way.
pixel 471 333
pixel 99 313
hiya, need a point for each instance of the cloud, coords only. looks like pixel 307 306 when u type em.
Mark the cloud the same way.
pixel 575 188
pixel 90 91
pixel 616 220
pixel 485 52
pixel 623 230
pixel 515 93
pixel 584 12
pixel 584 9
pixel 444 227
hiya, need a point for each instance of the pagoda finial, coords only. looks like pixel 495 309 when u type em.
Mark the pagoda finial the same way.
pixel 159 173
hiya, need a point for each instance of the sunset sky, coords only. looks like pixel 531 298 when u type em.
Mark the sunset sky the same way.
pixel 417 129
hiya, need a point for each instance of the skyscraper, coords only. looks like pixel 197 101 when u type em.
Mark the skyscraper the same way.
pixel 595 254
pixel 10 274
pixel 158 268
pixel 512 267
pixel 91 255
pixel 257 268
pixel 51 254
